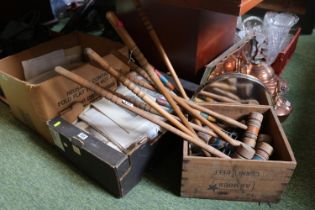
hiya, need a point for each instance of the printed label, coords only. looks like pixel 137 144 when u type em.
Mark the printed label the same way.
pixel 78 91
pixel 82 136
pixel 240 180
pixel 231 186
pixel 236 173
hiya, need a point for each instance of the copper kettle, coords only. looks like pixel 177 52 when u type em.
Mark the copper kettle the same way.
pixel 274 85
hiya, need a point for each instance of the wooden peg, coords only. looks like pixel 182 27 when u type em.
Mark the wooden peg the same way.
pixel 253 125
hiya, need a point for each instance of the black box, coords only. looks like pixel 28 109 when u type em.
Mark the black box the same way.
pixel 117 172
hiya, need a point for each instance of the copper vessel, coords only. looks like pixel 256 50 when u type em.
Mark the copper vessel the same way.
pixel 265 74
pixel 238 59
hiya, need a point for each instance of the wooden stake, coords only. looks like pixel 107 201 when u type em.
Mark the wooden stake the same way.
pixel 218 97
pixel 214 114
pixel 148 25
pixel 130 85
pixel 221 117
pixel 129 42
pixel 85 83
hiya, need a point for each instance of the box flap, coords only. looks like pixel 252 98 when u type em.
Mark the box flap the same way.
pixel 17 96
pixel 12 64
pixel 35 104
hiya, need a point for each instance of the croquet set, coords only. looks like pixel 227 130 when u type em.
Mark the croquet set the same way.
pixel 105 106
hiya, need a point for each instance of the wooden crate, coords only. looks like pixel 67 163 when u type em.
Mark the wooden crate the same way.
pixel 244 180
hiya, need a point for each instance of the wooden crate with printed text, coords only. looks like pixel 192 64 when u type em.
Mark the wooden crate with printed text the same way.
pixel 236 179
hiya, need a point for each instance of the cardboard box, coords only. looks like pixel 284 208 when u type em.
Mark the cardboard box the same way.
pixel 236 179
pixel 116 171
pixel 35 104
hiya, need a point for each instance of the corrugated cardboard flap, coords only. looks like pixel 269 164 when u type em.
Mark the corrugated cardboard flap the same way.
pixel 35 104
